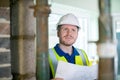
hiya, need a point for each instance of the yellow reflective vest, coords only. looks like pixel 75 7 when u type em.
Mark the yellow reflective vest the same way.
pixel 81 59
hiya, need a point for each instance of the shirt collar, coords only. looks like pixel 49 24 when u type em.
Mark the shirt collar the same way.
pixel 61 53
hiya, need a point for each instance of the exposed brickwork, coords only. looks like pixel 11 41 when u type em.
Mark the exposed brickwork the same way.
pixel 6 78
pixel 5 28
pixel 4 57
pixel 5 71
pixel 5 13
pixel 5 43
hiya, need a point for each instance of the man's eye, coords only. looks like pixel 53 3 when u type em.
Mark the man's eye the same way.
pixel 73 30
pixel 65 29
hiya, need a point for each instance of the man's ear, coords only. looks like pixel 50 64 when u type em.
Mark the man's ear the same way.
pixel 57 33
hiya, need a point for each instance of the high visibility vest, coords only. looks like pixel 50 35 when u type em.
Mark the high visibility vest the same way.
pixel 81 59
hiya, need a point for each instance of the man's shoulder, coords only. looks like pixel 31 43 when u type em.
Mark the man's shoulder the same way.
pixel 78 49
pixel 50 48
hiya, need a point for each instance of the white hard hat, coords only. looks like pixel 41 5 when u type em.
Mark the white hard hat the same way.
pixel 69 19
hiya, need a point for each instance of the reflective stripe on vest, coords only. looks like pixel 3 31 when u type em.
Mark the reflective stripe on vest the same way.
pixel 54 57
pixel 82 56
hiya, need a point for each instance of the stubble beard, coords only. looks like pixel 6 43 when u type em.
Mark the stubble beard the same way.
pixel 65 43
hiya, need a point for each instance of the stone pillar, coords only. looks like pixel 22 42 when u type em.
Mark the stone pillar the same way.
pixel 22 34
pixel 106 44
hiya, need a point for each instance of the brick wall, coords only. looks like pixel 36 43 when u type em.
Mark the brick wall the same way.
pixel 5 57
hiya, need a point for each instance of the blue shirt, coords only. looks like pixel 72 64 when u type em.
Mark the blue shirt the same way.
pixel 69 58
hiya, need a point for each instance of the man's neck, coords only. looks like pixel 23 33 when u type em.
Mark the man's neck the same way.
pixel 66 49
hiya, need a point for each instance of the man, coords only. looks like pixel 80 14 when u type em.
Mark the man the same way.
pixel 67 32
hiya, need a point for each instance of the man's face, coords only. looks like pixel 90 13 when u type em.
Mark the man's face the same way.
pixel 67 34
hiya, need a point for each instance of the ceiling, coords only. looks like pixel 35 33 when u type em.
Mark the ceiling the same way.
pixel 85 4
pixel 91 5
